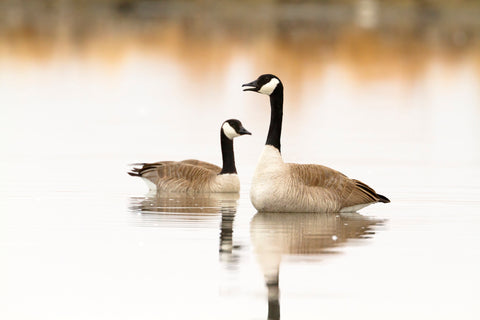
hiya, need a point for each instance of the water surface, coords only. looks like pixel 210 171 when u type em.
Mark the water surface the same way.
pixel 393 105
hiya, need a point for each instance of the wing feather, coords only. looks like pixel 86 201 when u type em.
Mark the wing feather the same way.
pixel 177 176
pixel 333 185
pixel 203 164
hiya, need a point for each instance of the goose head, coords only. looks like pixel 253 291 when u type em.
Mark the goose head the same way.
pixel 265 84
pixel 233 128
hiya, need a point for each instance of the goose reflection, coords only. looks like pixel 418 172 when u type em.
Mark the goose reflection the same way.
pixel 182 210
pixel 277 235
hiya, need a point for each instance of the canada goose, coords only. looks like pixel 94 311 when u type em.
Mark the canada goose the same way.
pixel 194 175
pixel 291 187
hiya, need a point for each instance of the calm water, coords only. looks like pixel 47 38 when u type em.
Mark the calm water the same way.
pixel 80 239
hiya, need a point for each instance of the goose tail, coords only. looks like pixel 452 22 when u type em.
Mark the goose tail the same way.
pixel 382 198
pixel 136 172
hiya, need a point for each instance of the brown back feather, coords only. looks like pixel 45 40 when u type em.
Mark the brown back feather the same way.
pixel 334 184
pixel 177 176
pixel 203 164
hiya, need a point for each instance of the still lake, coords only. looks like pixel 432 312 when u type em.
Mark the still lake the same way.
pixel 80 239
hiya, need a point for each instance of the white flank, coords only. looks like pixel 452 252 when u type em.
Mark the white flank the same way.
pixel 226 183
pixel 229 131
pixel 152 186
pixel 268 87
pixel 355 208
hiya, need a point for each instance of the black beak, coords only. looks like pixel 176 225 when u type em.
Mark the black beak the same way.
pixel 253 85
pixel 243 131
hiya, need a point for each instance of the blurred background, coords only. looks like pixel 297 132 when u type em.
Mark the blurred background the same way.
pixel 401 75
pixel 387 92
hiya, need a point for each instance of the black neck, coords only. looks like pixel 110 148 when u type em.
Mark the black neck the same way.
pixel 227 154
pixel 273 298
pixel 276 115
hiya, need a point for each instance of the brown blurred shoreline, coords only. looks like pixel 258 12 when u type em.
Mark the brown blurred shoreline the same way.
pixel 368 36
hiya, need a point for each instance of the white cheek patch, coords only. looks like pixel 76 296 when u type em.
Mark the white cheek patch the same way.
pixel 268 87
pixel 229 131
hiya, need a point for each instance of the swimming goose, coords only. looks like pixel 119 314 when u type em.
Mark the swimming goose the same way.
pixel 194 175
pixel 289 187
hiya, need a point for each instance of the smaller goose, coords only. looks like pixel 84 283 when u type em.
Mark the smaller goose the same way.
pixel 196 176
pixel 289 187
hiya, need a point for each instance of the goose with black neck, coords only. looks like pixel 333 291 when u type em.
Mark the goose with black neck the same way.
pixel 195 176
pixel 289 187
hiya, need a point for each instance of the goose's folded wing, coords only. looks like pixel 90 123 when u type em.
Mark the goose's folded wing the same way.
pixel 203 164
pixel 348 191
pixel 155 165
pixel 177 176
